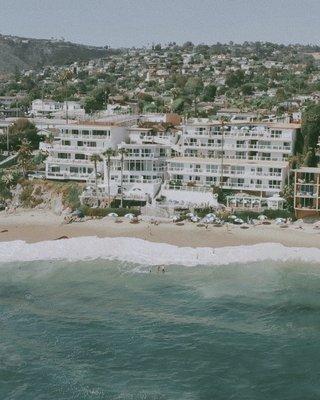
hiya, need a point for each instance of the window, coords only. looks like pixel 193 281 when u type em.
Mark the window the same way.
pixel 145 152
pixel 75 131
pixel 274 184
pixel 85 133
pixel 80 144
pixel 212 168
pixel 134 152
pixel 74 169
pixel 64 155
pixel 100 133
pixel 276 133
pixel 66 143
pixel 80 156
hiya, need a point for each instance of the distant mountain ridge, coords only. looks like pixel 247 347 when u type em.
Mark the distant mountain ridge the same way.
pixel 26 53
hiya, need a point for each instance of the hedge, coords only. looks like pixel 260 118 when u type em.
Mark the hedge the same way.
pixel 103 212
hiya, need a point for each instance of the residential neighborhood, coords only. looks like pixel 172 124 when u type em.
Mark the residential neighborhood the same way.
pixel 174 127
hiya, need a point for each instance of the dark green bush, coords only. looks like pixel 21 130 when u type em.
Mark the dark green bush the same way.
pixel 70 196
pixel 273 214
pixel 103 212
pixel 127 203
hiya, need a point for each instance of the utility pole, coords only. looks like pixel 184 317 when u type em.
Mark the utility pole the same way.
pixel 8 147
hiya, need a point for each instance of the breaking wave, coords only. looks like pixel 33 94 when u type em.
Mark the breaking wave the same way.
pixel 150 253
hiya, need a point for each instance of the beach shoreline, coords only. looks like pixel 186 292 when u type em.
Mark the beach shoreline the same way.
pixel 34 226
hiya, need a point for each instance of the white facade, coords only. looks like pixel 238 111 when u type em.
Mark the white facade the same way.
pixel 241 156
pixel 237 174
pixel 69 154
pixel 39 106
pixel 50 107
pixel 144 163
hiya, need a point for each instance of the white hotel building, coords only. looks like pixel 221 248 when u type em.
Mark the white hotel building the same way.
pixel 244 156
pixel 74 144
pixel 145 162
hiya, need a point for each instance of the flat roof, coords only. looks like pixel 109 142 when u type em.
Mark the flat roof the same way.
pixel 312 170
pixel 280 125
pixel 226 161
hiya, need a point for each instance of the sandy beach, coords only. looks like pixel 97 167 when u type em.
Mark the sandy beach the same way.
pixel 39 225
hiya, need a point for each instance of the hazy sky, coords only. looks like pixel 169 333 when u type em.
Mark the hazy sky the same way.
pixel 142 22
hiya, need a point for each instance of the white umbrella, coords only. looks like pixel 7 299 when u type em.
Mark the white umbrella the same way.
pixel 113 215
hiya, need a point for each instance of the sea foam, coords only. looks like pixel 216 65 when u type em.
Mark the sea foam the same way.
pixel 149 253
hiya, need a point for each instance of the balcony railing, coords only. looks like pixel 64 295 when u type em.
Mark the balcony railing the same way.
pixel 62 161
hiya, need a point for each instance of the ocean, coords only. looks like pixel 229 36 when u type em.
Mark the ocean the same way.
pixel 110 329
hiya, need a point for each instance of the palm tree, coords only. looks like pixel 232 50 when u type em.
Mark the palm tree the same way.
pixel 24 157
pixel 95 158
pixel 122 153
pixel 108 154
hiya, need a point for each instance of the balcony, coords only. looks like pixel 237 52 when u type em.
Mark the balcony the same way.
pixel 62 161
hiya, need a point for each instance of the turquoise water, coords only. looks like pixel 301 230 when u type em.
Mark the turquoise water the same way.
pixel 106 330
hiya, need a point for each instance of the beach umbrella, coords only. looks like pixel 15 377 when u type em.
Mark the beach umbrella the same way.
pixel 208 220
pixel 316 225
pixel 129 216
pixel 210 215
pixel 114 215
pixel 78 213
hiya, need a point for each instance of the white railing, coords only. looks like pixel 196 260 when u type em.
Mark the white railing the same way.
pixel 89 149
pixel 62 161
pixel 226 146
pixel 202 189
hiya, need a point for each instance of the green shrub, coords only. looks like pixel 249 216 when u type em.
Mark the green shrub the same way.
pixel 5 193
pixel 26 197
pixel 202 212
pixel 127 203
pixel 103 212
pixel 70 196
pixel 273 214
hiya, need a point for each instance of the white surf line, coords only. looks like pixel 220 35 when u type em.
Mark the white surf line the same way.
pixel 151 253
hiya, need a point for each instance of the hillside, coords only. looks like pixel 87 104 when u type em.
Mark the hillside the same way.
pixel 24 53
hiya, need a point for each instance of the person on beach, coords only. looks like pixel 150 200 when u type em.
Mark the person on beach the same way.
pixel 163 269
